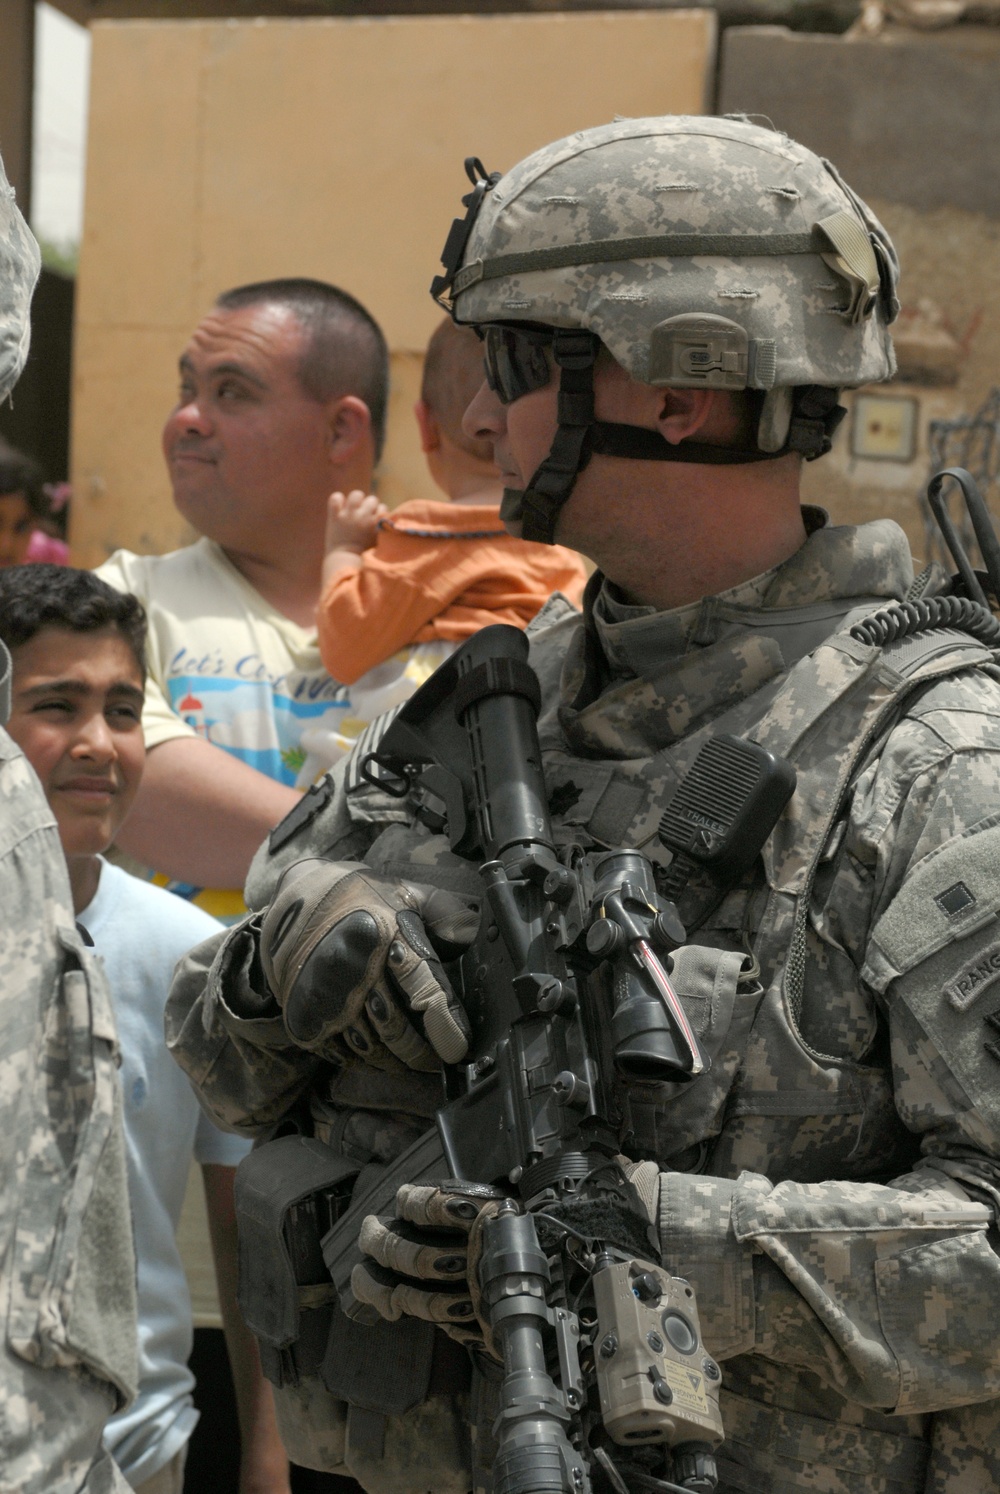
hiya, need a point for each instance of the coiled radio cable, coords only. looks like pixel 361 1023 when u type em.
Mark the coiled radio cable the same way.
pixel 904 618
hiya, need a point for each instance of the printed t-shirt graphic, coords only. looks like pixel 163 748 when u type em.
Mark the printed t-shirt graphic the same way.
pixel 258 720
pixel 226 666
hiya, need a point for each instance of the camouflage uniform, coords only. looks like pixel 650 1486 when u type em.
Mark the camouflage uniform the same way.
pixel 67 1280
pixel 67 1269
pixel 832 1303
pixel 831 1186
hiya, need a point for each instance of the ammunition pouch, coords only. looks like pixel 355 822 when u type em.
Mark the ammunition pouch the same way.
pixel 674 1123
pixel 352 1391
pixel 288 1193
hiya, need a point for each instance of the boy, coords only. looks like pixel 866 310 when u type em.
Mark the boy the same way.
pixel 401 590
pixel 78 655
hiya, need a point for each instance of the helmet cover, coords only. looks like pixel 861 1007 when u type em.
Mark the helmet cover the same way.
pixel 19 265
pixel 685 220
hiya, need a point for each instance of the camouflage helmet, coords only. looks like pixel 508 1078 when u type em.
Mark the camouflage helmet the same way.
pixel 19 265
pixel 701 252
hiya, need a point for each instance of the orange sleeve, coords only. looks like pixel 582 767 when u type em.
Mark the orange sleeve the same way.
pixel 405 593
pixel 368 614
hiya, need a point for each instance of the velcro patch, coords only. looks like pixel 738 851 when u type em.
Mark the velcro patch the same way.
pixel 969 983
pixel 955 900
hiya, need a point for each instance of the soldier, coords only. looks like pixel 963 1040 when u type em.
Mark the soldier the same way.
pixel 67 1269
pixel 669 308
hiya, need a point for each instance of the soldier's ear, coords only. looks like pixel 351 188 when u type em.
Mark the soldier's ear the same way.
pixel 685 413
pixel 708 414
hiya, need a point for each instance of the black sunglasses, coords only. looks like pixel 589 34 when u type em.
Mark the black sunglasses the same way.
pixel 516 359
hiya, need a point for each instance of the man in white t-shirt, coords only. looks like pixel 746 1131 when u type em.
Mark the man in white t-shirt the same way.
pixel 77 650
pixel 283 389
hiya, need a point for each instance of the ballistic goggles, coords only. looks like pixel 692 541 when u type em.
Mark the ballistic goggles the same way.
pixel 516 358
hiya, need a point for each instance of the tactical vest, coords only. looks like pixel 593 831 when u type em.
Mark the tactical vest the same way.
pixel 828 714
pixel 772 1102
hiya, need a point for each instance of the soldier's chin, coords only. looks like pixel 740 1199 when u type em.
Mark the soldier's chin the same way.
pixel 512 510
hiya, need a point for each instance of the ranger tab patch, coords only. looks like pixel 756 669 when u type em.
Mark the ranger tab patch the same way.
pixel 974 978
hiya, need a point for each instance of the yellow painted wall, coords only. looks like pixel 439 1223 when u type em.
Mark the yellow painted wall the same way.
pixel 222 152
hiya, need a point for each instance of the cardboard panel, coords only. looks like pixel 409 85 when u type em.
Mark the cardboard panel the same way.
pixel 125 382
pixel 141 208
pixel 223 152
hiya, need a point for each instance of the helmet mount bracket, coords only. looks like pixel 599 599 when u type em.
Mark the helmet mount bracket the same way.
pixel 483 181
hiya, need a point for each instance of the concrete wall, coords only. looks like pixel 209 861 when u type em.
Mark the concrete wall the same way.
pixel 913 122
pixel 223 152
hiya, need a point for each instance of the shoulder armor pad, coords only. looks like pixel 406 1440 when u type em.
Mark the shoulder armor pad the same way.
pixel 302 814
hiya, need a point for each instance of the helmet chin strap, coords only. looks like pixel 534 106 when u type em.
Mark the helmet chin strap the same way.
pixel 539 504
pixel 578 435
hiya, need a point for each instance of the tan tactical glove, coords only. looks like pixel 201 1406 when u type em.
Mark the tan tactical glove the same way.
pixel 424 1263
pixel 645 1179
pixel 351 960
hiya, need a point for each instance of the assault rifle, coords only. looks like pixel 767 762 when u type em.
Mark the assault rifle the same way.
pixel 567 989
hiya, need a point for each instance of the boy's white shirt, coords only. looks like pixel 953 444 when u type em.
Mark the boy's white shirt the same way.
pixel 139 933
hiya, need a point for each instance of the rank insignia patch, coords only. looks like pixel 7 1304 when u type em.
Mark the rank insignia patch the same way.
pixel 955 900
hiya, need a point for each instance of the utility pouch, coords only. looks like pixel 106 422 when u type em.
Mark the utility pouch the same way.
pixel 721 995
pixel 375 1193
pixel 288 1193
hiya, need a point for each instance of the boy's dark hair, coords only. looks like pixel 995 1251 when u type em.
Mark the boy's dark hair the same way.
pixel 345 352
pixel 33 597
pixel 19 474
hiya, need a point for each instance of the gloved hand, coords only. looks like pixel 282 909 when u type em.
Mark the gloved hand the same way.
pixel 351 959
pixel 424 1263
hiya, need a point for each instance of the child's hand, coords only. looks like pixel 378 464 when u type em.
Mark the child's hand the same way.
pixel 352 521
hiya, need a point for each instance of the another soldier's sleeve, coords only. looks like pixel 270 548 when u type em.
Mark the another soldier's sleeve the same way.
pixel 890 1293
pixel 67 1270
pixel 222 1025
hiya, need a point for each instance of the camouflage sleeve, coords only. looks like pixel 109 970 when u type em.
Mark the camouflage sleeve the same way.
pixel 222 1026
pixel 321 825
pixel 68 1354
pixel 225 1030
pixel 965 1451
pixel 50 1431
pixel 889 1293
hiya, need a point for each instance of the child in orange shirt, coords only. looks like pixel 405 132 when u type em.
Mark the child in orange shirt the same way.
pixel 433 572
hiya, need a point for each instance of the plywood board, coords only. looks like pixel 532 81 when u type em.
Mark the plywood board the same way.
pixel 223 152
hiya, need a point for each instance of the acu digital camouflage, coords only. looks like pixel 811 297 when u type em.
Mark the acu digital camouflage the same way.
pixel 67 1270
pixel 831 1188
pixel 20 263
pixel 622 228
